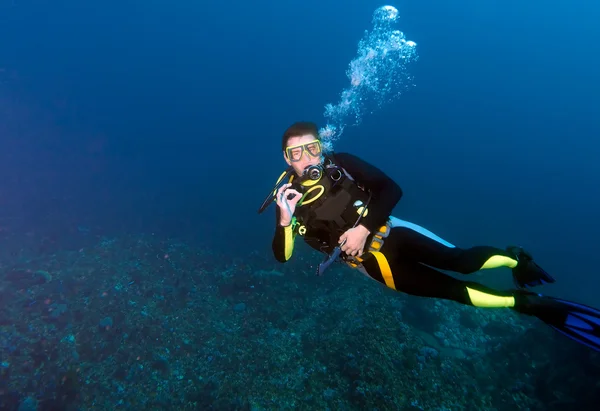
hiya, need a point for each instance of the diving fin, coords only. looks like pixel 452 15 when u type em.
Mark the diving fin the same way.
pixel 527 273
pixel 577 321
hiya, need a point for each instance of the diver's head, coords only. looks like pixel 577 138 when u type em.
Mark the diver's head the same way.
pixel 301 146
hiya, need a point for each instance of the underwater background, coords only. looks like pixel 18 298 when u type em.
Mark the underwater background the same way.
pixel 138 139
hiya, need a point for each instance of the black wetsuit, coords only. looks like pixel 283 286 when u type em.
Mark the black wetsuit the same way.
pixel 410 252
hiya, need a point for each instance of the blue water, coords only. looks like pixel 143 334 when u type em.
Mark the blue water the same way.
pixel 147 117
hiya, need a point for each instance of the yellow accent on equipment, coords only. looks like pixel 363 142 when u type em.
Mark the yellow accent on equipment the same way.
pixel 385 269
pixel 362 210
pixel 315 197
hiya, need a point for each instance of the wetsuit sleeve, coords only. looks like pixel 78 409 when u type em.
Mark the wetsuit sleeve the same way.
pixel 385 192
pixel 283 240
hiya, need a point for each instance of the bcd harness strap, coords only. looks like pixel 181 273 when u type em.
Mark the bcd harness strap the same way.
pixel 374 248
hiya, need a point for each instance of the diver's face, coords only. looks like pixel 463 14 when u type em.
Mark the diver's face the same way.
pixel 301 153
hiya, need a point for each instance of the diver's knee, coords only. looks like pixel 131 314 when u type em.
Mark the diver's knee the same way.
pixel 463 263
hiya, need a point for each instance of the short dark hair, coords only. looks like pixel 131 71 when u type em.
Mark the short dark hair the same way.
pixel 299 129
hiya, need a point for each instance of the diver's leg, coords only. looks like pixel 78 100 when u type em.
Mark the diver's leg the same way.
pixel 420 280
pixel 577 321
pixel 417 243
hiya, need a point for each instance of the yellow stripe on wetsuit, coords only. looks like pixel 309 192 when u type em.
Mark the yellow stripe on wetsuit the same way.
pixel 481 299
pixel 288 241
pixel 478 298
pixel 499 261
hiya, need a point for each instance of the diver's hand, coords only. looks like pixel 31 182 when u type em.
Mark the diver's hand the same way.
pixel 287 198
pixel 352 242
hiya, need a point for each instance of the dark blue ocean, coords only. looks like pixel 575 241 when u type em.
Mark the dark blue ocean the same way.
pixel 138 139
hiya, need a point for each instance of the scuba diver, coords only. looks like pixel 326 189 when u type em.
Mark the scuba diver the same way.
pixel 342 205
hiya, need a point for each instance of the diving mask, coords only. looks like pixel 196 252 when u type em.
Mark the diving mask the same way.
pixel 295 153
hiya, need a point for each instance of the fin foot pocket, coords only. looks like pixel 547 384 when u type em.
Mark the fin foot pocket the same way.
pixel 527 273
